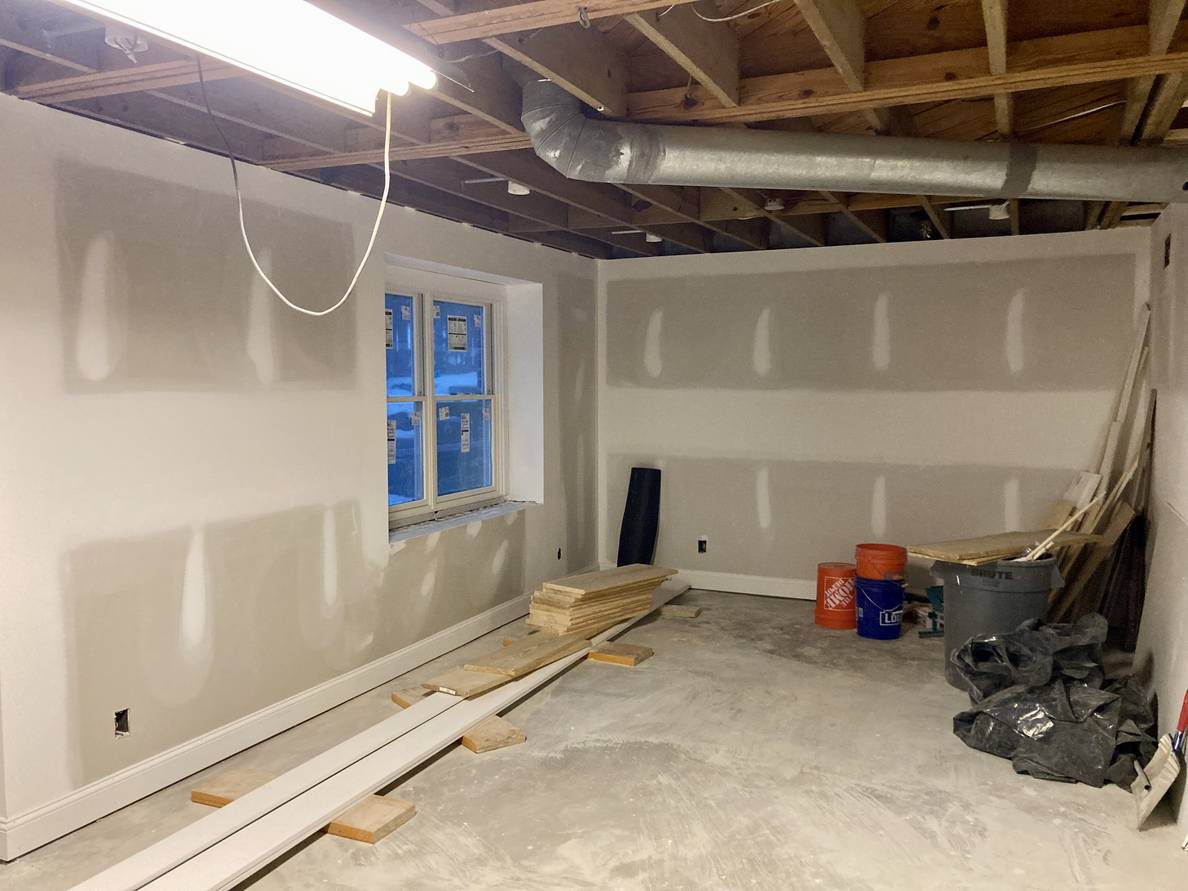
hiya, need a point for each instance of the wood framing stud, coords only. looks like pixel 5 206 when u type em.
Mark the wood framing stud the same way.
pixel 994 14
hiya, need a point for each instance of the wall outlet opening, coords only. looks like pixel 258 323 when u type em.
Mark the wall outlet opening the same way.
pixel 122 725
pixel 702 545
pixel 558 553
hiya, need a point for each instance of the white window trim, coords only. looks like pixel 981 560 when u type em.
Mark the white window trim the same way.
pixel 433 506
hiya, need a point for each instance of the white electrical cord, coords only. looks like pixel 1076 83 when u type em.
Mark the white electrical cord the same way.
pixel 243 227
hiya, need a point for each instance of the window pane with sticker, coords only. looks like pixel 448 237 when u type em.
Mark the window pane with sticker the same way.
pixel 401 339
pixel 406 468
pixel 464 460
pixel 459 348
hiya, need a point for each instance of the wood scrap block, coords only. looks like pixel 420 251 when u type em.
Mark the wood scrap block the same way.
pixel 372 818
pixel 527 655
pixel 493 733
pixel 408 696
pixel 368 821
pixel 223 789
pixel 621 653
pixel 460 682
pixel 678 611
pixel 990 548
pixel 508 641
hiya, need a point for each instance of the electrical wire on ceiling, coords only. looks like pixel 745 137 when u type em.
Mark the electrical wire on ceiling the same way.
pixel 239 202
pixel 731 18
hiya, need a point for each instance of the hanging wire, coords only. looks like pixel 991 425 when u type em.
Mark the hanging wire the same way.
pixel 239 201
pixel 731 18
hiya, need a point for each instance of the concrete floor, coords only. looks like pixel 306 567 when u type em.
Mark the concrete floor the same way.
pixel 753 751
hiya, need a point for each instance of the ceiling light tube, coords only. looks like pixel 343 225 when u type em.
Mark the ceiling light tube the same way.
pixel 290 41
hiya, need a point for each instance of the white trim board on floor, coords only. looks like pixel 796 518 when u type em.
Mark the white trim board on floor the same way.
pixel 736 583
pixel 313 798
pixel 23 833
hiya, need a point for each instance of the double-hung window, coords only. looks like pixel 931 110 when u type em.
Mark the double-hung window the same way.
pixel 442 405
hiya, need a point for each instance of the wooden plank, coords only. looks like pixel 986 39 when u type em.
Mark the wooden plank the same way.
pixel 139 78
pixel 1038 63
pixel 602 580
pixel 493 140
pixel 580 60
pixel 679 611
pixel 1162 21
pixel 526 16
pixel 994 14
pixel 190 841
pixel 708 51
pixel 492 733
pixel 519 659
pixel 620 653
pixel 406 697
pixel 370 820
pixel 460 682
pixel 988 548
pixel 221 865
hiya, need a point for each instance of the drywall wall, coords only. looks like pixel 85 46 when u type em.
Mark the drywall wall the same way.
pixel 1162 653
pixel 192 476
pixel 800 402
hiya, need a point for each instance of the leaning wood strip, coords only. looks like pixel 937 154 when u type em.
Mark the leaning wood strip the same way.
pixel 518 659
pixel 237 857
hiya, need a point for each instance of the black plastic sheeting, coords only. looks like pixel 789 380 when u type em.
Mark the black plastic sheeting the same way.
pixel 1039 697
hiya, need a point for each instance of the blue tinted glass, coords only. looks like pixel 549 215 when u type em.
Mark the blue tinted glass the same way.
pixel 463 445
pixel 458 348
pixel 405 457
pixel 401 338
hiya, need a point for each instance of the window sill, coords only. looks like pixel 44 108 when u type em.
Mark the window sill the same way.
pixel 429 527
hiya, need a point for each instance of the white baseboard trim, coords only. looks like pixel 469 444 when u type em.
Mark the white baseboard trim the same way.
pixel 763 585
pixel 43 824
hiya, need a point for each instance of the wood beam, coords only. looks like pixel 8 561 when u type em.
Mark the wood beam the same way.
pixel 749 204
pixel 1163 18
pixel 1089 57
pixel 92 85
pixel 840 28
pixel 1013 211
pixel 994 14
pixel 872 222
pixel 526 16
pixel 493 141
pixel 676 201
pixel 938 215
pixel 580 60
pixel 708 51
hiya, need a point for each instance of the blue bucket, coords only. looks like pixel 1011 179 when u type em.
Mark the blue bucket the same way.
pixel 880 608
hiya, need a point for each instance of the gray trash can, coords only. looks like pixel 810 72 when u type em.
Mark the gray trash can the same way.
pixel 992 599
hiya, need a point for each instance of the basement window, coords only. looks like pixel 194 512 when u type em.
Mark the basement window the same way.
pixel 444 425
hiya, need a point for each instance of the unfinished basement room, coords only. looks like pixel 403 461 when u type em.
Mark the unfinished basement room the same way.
pixel 644 445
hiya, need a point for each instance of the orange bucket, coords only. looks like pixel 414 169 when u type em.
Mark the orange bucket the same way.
pixel 881 562
pixel 835 596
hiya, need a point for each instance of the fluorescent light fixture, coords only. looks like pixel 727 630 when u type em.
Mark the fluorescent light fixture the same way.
pixel 290 41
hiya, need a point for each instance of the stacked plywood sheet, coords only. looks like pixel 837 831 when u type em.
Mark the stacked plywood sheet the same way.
pixel 593 601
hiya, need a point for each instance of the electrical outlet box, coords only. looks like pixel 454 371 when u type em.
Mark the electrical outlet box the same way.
pixel 702 545
pixel 123 725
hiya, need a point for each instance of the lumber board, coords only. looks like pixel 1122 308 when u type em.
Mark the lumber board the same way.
pixel 596 626
pixel 492 733
pixel 460 682
pixel 527 655
pixel 587 583
pixel 620 653
pixel 223 864
pixel 368 821
pixel 680 611
pixel 525 16
pixel 168 854
pixel 406 696
pixel 988 548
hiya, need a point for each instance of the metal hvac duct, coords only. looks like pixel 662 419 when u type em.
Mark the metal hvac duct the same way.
pixel 597 150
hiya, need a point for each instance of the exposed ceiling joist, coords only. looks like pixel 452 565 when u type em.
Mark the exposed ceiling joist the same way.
pixel 994 13
pixel 708 51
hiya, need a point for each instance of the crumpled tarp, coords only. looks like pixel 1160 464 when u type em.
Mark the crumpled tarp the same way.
pixel 1038 697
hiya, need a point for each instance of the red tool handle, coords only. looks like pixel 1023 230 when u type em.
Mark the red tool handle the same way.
pixel 1183 725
